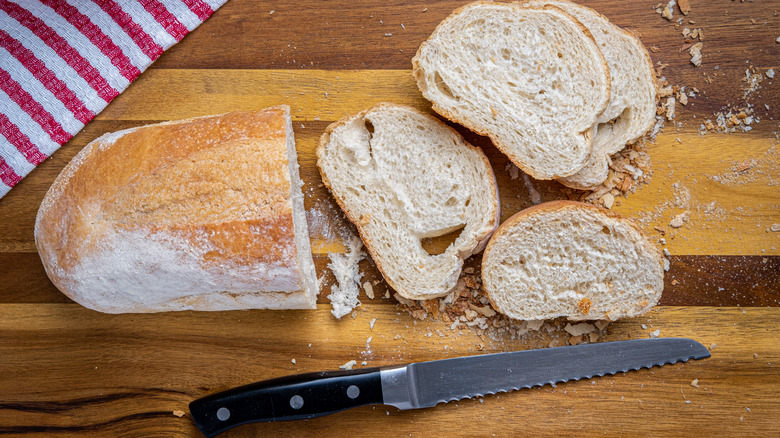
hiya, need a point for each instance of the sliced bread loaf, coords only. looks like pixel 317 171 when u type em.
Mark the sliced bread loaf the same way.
pixel 402 176
pixel 532 79
pixel 631 109
pixel 569 259
pixel 197 214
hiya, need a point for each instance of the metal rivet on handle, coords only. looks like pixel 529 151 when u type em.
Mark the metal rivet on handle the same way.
pixel 353 391
pixel 296 402
pixel 223 414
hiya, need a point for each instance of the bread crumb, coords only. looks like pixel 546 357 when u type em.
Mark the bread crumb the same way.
pixel 344 296
pixel 348 365
pixel 685 6
pixel 579 329
pixel 695 52
pixel 609 200
pixel 668 10
pixel 574 340
pixel 655 333
pixel 536 198
pixel 680 219
pixel 602 324
pixel 369 290
pixel 770 73
pixel 514 171
pixel 695 383
pixel 713 346
pixel 293 361
pixel 670 107
pixel 371 324
pixel 666 264
pixel 674 282
pixel 774 228
pixel 178 413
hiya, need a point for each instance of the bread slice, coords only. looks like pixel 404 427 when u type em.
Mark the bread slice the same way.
pixel 631 109
pixel 197 214
pixel 402 176
pixel 573 260
pixel 532 79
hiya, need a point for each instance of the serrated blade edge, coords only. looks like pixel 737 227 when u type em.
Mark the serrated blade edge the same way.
pixel 426 384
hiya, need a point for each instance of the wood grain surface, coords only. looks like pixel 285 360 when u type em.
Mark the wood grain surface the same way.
pixel 69 371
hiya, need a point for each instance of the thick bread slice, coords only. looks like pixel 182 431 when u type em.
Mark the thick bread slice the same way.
pixel 632 104
pixel 402 176
pixel 198 214
pixel 565 258
pixel 532 79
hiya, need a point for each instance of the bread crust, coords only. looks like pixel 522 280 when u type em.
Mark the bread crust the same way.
pixel 588 133
pixel 561 206
pixel 571 180
pixel 367 241
pixel 217 187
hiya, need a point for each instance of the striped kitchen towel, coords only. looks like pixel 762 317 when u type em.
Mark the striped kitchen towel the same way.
pixel 63 61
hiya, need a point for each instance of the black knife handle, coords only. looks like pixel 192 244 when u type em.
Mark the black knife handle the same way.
pixel 287 398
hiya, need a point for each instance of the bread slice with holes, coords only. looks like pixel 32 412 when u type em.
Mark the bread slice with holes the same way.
pixel 531 79
pixel 630 112
pixel 403 177
pixel 573 260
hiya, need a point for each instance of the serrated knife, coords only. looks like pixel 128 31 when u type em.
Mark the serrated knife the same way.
pixel 425 384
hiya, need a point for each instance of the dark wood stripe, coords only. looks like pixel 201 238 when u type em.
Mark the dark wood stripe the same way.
pixel 358 38
pixel 50 407
pixel 119 422
pixel 746 281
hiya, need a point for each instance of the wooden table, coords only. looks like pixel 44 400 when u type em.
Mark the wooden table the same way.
pixel 66 370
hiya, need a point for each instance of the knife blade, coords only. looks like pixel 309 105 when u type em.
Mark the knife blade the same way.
pixel 426 384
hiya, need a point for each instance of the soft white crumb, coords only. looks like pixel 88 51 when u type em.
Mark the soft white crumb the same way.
pixel 656 333
pixel 344 296
pixel 293 361
pixel 371 324
pixel 695 383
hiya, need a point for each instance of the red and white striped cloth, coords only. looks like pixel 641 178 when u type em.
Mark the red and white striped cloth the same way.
pixel 62 62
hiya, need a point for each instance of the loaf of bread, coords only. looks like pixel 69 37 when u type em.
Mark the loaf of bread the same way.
pixel 198 214
pixel 573 260
pixel 401 177
pixel 631 109
pixel 531 79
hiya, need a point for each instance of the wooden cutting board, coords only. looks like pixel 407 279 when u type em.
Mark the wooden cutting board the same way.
pixel 69 371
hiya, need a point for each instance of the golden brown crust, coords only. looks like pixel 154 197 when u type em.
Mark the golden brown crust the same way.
pixel 220 183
